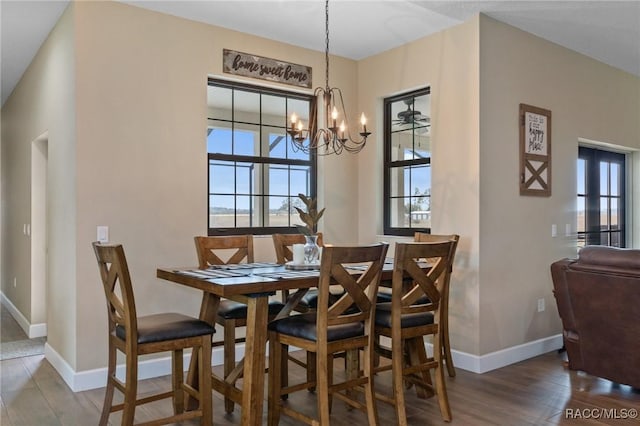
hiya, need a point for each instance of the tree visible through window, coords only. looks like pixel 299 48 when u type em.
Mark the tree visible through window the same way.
pixel 407 163
pixel 255 173
pixel 601 198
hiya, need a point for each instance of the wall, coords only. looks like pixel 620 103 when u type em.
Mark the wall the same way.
pixel 448 63
pixel 43 102
pixel 588 100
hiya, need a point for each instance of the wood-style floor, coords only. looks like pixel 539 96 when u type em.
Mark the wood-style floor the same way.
pixel 539 391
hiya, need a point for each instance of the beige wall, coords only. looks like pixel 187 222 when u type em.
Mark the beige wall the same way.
pixel 122 93
pixel 43 102
pixel 448 63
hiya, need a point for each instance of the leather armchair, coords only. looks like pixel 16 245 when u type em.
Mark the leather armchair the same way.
pixel 598 298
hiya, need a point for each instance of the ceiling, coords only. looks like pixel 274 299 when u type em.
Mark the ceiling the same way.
pixel 608 31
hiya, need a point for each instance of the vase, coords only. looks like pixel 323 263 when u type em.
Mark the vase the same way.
pixel 311 249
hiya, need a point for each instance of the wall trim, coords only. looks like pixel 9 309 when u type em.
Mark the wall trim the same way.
pixel 31 330
pixel 97 378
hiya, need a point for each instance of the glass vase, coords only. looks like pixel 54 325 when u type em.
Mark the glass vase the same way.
pixel 311 249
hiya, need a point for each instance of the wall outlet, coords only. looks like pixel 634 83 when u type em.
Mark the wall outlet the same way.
pixel 103 234
pixel 541 305
pixel 15 282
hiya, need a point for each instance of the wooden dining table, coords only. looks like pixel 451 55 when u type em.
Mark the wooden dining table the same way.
pixel 252 284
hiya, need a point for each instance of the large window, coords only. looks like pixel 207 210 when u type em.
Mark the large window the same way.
pixel 601 200
pixel 255 172
pixel 407 163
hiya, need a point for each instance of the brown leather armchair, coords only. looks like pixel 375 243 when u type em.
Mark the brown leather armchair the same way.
pixel 598 298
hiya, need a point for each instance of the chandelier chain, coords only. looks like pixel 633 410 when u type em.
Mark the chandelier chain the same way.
pixel 326 51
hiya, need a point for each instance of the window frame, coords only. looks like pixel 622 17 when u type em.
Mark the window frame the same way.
pixel 389 165
pixel 592 235
pixel 258 159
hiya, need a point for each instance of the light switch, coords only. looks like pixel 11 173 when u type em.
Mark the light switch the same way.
pixel 554 230
pixel 103 234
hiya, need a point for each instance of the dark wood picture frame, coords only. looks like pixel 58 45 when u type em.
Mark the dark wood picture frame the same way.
pixel 535 151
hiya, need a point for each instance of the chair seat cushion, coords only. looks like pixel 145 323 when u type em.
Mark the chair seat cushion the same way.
pixel 309 301
pixel 169 326
pixel 383 317
pixel 304 326
pixel 230 309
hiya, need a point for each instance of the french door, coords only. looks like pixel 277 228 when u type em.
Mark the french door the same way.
pixel 601 198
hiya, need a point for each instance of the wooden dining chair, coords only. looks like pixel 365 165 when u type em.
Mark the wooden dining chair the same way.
pixel 446 346
pixel 345 325
pixel 225 250
pixel 414 312
pixel 136 336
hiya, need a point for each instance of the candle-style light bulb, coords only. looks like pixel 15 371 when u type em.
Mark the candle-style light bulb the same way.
pixel 294 118
pixel 334 113
pixel 342 129
pixel 300 125
pixel 363 121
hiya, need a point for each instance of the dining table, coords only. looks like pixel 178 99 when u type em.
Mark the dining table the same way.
pixel 252 284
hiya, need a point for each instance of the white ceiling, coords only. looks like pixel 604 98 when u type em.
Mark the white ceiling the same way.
pixel 608 31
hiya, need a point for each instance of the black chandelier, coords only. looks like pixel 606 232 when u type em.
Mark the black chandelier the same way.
pixel 332 138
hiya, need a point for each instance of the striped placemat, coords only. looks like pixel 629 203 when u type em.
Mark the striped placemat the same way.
pixel 212 273
pixel 289 274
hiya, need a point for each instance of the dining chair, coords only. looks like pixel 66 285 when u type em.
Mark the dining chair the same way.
pixel 345 325
pixel 225 250
pixel 136 336
pixel 446 346
pixel 416 310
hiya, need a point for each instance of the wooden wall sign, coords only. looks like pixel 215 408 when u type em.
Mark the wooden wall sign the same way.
pixel 255 66
pixel 535 151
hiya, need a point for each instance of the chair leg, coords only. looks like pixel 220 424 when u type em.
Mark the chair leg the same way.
pixel 397 361
pixel 441 389
pixel 418 356
pixel 312 375
pixel 131 389
pixel 108 395
pixel 446 348
pixel 205 381
pixel 229 356
pixel 284 370
pixel 275 381
pixel 369 389
pixel 177 378
pixel 323 381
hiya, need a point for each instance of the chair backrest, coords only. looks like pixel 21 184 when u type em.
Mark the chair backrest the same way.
pixel 209 250
pixel 423 237
pixel 408 294
pixel 283 243
pixel 360 288
pixel 118 290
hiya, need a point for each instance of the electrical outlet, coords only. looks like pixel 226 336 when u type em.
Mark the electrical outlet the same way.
pixel 103 234
pixel 540 305
pixel 15 282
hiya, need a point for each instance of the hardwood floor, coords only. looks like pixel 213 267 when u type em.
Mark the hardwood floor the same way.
pixel 539 391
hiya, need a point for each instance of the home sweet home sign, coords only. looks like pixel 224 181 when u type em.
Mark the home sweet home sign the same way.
pixel 254 66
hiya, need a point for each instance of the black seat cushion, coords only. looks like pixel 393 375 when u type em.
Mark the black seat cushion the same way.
pixel 383 317
pixel 310 300
pixel 230 309
pixel 304 326
pixel 170 326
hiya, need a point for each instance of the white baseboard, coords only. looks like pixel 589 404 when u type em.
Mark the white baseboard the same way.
pixel 97 378
pixel 482 363
pixel 31 330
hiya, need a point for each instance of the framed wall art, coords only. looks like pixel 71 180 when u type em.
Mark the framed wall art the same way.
pixel 535 151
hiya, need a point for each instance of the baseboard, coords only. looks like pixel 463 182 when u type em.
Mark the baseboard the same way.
pixel 97 378
pixel 92 379
pixel 483 363
pixel 31 330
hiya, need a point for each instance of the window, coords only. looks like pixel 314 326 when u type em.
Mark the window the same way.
pixel 407 163
pixel 254 171
pixel 601 198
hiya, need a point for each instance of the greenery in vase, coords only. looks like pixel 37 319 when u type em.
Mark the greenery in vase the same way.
pixel 311 217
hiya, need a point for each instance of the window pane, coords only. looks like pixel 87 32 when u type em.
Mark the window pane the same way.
pixel 421 186
pixel 221 177
pixel 245 140
pixel 300 180
pixel 278 180
pixel 615 211
pixel 615 239
pixel 276 143
pixel 402 144
pixel 299 107
pixel 246 106
pixel 399 183
pixel 245 208
pixel 581 207
pixel 399 212
pixel 616 178
pixel 604 213
pixel 274 110
pixel 219 137
pixel 604 178
pixel 582 177
pixel 246 175
pixel 219 102
pixel 221 211
pixel 277 208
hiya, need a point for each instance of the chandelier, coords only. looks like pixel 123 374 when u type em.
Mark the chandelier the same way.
pixel 332 138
